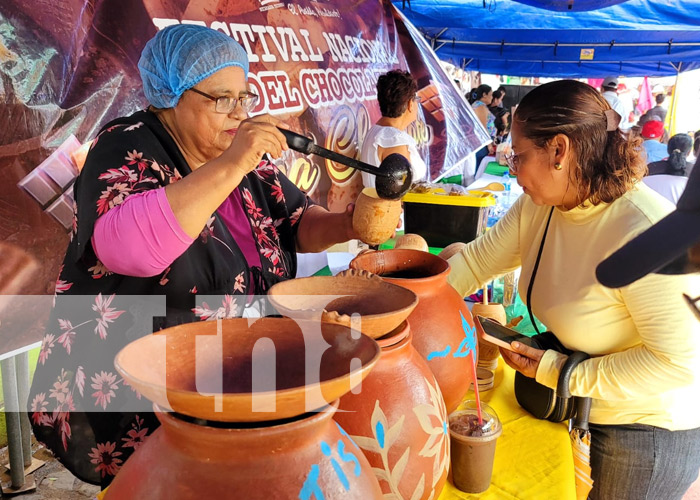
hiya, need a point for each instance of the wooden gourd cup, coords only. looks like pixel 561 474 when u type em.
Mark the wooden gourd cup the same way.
pixel 375 219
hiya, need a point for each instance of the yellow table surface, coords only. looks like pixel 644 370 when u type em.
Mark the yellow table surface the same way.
pixel 533 457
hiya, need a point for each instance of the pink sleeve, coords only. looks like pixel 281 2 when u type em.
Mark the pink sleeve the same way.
pixel 141 237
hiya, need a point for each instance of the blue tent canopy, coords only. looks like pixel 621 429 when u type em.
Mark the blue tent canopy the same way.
pixel 633 38
pixel 573 5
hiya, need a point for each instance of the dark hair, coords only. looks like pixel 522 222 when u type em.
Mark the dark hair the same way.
pixel 678 148
pixel 478 93
pixel 502 88
pixel 635 131
pixel 394 90
pixel 497 94
pixel 660 98
pixel 608 163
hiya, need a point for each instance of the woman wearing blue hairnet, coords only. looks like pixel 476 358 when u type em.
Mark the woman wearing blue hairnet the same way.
pixel 173 201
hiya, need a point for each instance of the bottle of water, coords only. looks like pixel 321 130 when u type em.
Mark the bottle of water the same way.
pixel 503 202
pixel 506 197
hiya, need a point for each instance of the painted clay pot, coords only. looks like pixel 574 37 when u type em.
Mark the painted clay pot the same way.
pixel 488 353
pixel 442 326
pixel 375 219
pixel 399 420
pixel 306 457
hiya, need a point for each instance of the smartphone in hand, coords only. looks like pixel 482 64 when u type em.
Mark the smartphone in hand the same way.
pixel 495 333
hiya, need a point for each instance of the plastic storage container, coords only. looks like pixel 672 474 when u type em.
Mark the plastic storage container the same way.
pixel 443 219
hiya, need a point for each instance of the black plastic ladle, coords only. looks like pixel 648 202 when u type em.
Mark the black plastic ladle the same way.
pixel 394 174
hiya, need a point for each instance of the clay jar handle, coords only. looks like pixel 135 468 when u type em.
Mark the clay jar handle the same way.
pixel 360 273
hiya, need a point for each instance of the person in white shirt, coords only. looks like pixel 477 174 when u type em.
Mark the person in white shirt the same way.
pixel 609 91
pixel 398 103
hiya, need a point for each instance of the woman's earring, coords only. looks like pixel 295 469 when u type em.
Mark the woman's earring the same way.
pixel 557 166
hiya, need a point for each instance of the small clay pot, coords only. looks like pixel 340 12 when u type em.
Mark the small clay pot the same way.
pixel 375 219
pixel 412 241
pixel 484 379
pixel 488 353
pixel 451 249
pixel 492 310
pixel 354 298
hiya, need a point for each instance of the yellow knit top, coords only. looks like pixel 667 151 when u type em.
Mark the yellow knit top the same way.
pixel 643 338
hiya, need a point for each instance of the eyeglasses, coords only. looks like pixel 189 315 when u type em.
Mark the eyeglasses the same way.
pixel 513 160
pixel 417 98
pixel 693 304
pixel 226 105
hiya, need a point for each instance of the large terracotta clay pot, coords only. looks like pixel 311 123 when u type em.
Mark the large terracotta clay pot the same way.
pixel 240 370
pixel 400 421
pixel 307 457
pixel 218 444
pixel 442 326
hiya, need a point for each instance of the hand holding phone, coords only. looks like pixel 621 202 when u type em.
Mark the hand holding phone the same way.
pixel 493 332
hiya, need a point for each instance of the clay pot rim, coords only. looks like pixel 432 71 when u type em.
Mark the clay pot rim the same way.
pixel 373 325
pixel 158 393
pixel 396 338
pixel 314 415
pixel 480 370
pixel 417 253
pixel 489 304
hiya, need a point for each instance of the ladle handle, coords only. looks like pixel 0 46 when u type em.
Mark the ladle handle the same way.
pixel 305 145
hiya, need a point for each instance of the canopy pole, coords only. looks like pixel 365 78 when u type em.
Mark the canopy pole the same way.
pixel 434 40
pixel 674 100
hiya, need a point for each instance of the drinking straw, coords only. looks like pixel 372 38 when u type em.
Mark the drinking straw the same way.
pixel 485 298
pixel 476 391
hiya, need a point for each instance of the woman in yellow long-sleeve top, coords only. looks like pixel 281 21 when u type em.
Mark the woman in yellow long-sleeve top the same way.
pixel 580 175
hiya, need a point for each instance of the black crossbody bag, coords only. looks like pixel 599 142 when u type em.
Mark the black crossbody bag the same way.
pixel 539 400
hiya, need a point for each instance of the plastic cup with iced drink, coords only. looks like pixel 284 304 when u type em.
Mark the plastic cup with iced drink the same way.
pixel 473 446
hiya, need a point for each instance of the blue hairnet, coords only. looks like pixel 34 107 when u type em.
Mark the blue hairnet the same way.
pixel 181 56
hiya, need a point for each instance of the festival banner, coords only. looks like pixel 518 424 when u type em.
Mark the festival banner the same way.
pixel 69 67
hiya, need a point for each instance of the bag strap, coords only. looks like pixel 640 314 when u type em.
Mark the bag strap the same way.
pixel 534 272
pixel 582 405
pixel 565 374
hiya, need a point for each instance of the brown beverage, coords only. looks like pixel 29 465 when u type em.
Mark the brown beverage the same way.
pixel 473 447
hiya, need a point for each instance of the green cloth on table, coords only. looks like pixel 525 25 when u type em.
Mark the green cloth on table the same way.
pixel 495 168
pixel 517 308
pixel 326 271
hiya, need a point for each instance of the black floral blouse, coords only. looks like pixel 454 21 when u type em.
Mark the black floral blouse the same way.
pixel 81 408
